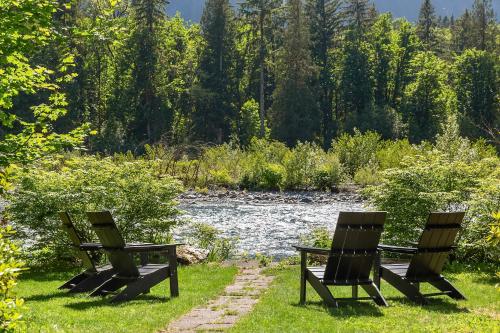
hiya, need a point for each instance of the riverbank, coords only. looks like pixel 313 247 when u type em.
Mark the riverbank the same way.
pixel 350 194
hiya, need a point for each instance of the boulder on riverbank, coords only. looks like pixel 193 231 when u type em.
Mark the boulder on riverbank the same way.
pixel 189 255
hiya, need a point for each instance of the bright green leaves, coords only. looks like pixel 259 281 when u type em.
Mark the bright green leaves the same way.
pixel 27 26
pixel 10 268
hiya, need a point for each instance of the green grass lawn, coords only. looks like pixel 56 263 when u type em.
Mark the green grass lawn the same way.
pixel 51 310
pixel 278 310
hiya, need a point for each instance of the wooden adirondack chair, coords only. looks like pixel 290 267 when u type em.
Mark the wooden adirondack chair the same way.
pixel 350 259
pixel 427 261
pixel 136 279
pixel 94 275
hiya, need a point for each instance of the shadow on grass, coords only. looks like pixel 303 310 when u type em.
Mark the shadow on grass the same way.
pixel 346 309
pixel 92 302
pixel 47 297
pixel 441 305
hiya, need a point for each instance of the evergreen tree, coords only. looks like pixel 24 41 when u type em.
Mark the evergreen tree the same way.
pixel 462 33
pixel 152 115
pixel 325 24
pixel 426 25
pixel 380 37
pixel 426 99
pixel 477 93
pixel 259 14
pixel 359 16
pixel 357 82
pixel 214 95
pixel 294 113
pixel 483 18
pixel 406 46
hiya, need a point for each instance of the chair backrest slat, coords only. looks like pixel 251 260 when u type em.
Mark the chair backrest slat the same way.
pixel 76 240
pixel 354 246
pixel 113 242
pixel 434 245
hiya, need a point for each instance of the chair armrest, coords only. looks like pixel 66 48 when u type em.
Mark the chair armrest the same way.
pixel 99 246
pixel 90 246
pixel 150 247
pixel 397 249
pixel 313 250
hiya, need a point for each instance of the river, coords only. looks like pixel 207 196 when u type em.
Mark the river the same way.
pixel 267 223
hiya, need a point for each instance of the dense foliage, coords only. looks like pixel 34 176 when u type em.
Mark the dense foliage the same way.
pixel 298 70
pixel 26 130
pixel 10 268
pixel 454 175
pixel 139 196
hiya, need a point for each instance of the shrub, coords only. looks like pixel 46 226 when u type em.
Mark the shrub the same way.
pixel 249 124
pixel 207 237
pixel 367 175
pixel 433 182
pixel 10 267
pixel 271 177
pixel 479 223
pixel 139 196
pixel 300 165
pixel 356 151
pixel 329 174
pixel 221 164
pixel 319 237
pixel 262 165
pixel 391 153
pixel 423 184
pixel 221 177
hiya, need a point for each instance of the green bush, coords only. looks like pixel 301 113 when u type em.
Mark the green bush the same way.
pixel 271 177
pixel 10 268
pixel 262 165
pixel 226 157
pixel 249 122
pixel 358 150
pixel 300 165
pixel 434 181
pixel 318 237
pixel 367 175
pixel 329 174
pixel 207 237
pixel 221 177
pixel 391 153
pixel 140 197
pixel 479 221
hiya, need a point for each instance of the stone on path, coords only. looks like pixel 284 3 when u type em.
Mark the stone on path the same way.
pixel 223 312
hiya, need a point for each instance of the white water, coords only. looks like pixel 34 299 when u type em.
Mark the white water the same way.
pixel 268 228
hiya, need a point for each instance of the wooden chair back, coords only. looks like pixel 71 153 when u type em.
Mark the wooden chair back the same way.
pixel 435 244
pixel 76 240
pixel 354 247
pixel 113 242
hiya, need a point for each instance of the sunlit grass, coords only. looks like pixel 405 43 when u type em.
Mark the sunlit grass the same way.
pixel 51 310
pixel 278 310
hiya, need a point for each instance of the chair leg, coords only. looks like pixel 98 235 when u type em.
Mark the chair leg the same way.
pixel 109 286
pixel 322 290
pixel 140 286
pixel 354 291
pixel 92 282
pixel 403 286
pixel 132 290
pixel 374 292
pixel 303 273
pixel 445 285
pixel 74 281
